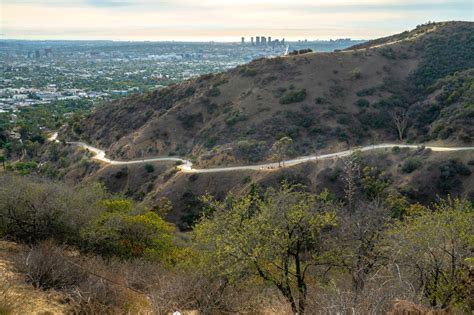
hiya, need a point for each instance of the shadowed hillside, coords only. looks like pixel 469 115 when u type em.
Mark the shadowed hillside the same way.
pixel 323 101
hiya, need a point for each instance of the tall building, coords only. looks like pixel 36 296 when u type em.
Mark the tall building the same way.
pixel 269 40
pixel 242 41
pixel 263 40
pixel 37 53
pixel 257 40
pixel 251 41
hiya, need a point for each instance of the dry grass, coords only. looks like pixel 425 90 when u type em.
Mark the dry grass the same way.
pixel 9 301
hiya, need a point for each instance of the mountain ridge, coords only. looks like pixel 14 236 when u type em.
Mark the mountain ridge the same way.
pixel 320 100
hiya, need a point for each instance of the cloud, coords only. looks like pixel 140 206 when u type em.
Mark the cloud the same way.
pixel 156 19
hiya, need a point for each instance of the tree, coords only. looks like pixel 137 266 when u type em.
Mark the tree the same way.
pixel 2 160
pixel 351 179
pixel 359 242
pixel 281 148
pixel 129 235
pixel 277 237
pixel 400 120
pixel 434 248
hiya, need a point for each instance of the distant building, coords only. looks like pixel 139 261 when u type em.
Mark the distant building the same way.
pixel 263 40
pixel 242 41
pixel 257 40
pixel 269 40
pixel 251 41
pixel 48 52
pixel 37 53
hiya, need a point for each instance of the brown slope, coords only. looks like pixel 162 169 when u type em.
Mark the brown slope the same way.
pixel 236 116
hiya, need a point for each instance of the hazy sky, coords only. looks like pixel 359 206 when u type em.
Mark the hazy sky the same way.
pixel 221 19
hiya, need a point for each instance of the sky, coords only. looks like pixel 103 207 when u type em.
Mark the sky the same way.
pixel 221 20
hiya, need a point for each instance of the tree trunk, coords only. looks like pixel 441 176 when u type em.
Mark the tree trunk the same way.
pixel 302 289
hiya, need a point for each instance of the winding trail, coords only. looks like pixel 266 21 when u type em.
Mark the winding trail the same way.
pixel 187 165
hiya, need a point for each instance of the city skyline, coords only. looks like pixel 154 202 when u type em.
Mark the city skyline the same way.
pixel 192 20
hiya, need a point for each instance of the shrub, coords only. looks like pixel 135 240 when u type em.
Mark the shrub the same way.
pixel 367 92
pixel 214 92
pixel 32 210
pixel 47 267
pixel 295 96
pixel 396 150
pixel 320 100
pixel 248 72
pixel 410 165
pixel 24 168
pixel 149 168
pixel 9 300
pixel 449 172
pixel 362 102
pixel 189 91
pixel 128 235
pixel 251 150
pixel 234 117
pixel 356 74
pixel 189 120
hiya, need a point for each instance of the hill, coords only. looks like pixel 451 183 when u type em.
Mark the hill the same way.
pixel 323 101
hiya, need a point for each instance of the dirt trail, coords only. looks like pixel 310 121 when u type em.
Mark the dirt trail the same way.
pixel 187 166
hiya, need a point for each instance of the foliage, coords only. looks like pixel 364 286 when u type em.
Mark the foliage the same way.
pixel 449 174
pixel 434 247
pixel 356 74
pixel 440 60
pixel 214 92
pixel 295 96
pixel 149 168
pixel 235 117
pixel 189 120
pixel 374 182
pixel 248 72
pixel 410 165
pixel 129 235
pixel 251 150
pixel 367 92
pixel 276 237
pixel 362 103
pixel 87 217
pixel 281 148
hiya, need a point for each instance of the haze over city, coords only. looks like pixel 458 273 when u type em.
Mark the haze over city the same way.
pixel 192 20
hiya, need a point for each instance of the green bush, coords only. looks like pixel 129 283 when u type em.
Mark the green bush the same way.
pixel 410 165
pixel 449 175
pixel 295 96
pixel 251 150
pixel 149 168
pixel 189 120
pixel 320 100
pixel 214 92
pixel 24 168
pixel 248 72
pixel 234 117
pixel 189 91
pixel 129 235
pixel 367 92
pixel 356 73
pixel 362 102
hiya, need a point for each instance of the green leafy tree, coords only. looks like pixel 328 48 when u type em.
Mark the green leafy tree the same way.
pixel 276 237
pixel 2 160
pixel 281 148
pixel 434 247
pixel 121 231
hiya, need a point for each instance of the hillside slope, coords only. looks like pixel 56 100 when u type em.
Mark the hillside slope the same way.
pixel 323 101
